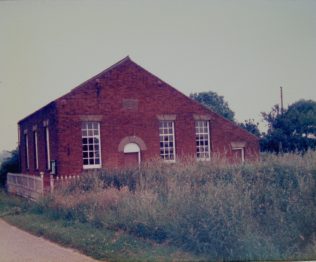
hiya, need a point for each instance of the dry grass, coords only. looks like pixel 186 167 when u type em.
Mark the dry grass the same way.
pixel 260 210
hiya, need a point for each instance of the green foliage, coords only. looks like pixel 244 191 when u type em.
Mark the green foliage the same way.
pixel 251 126
pixel 215 102
pixel 10 164
pixel 256 211
pixel 98 242
pixel 294 130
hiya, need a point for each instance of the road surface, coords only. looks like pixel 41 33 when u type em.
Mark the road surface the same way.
pixel 19 246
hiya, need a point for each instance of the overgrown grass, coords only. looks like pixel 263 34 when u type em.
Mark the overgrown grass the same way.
pixel 187 211
pixel 256 211
pixel 98 242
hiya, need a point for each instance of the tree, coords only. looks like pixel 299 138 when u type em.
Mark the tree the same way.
pixel 215 102
pixel 251 126
pixel 294 130
pixel 10 164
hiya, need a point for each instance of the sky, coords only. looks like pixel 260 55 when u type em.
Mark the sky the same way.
pixel 243 50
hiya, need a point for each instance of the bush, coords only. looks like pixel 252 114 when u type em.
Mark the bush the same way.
pixel 10 164
pixel 256 211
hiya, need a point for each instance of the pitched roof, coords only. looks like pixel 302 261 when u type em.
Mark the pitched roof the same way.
pixel 119 63
pixel 125 59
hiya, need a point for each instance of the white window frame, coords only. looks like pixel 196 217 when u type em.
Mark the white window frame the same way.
pixel 47 146
pixel 26 142
pixel 163 135
pixel 35 148
pixel 89 133
pixel 200 126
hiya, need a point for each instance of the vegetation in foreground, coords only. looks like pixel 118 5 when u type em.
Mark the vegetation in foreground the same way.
pixel 192 211
pixel 256 211
pixel 93 240
pixel 9 162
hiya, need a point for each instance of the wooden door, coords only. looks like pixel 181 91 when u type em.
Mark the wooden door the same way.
pixel 131 160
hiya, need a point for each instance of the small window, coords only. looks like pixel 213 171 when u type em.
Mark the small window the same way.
pixel 91 153
pixel 202 140
pixel 167 141
pixel 239 154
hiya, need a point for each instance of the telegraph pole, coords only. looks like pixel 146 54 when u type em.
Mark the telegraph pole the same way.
pixel 281 96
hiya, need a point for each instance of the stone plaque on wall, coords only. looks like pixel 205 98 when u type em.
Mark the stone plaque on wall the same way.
pixel 130 104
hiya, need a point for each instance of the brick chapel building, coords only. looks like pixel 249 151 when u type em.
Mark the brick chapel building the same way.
pixel 121 117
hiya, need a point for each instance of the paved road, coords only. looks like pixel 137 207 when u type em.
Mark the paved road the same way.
pixel 19 246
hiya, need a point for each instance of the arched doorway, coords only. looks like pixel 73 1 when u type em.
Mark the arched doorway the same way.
pixel 132 148
pixel 132 156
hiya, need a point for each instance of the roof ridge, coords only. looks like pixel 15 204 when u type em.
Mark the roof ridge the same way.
pixel 127 58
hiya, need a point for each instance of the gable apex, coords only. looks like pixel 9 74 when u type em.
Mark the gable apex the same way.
pixel 120 62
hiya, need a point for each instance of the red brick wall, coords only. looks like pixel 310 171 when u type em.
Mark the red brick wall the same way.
pixel 36 119
pixel 129 81
pixel 103 96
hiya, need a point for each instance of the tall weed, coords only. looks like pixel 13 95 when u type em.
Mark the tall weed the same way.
pixel 260 210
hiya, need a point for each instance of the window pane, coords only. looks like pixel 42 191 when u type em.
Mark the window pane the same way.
pixel 166 138
pixel 90 144
pixel 202 135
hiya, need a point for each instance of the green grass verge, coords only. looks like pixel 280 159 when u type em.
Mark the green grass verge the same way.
pixel 99 243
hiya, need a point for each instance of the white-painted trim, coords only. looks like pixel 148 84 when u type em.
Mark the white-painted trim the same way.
pixel 47 147
pixel 27 150
pixel 131 148
pixel 36 148
pixel 89 166
pixel 100 151
pixel 174 140
pixel 208 140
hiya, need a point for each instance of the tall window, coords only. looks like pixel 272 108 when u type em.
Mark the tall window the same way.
pixel 167 140
pixel 26 147
pixel 47 145
pixel 35 145
pixel 91 153
pixel 202 138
